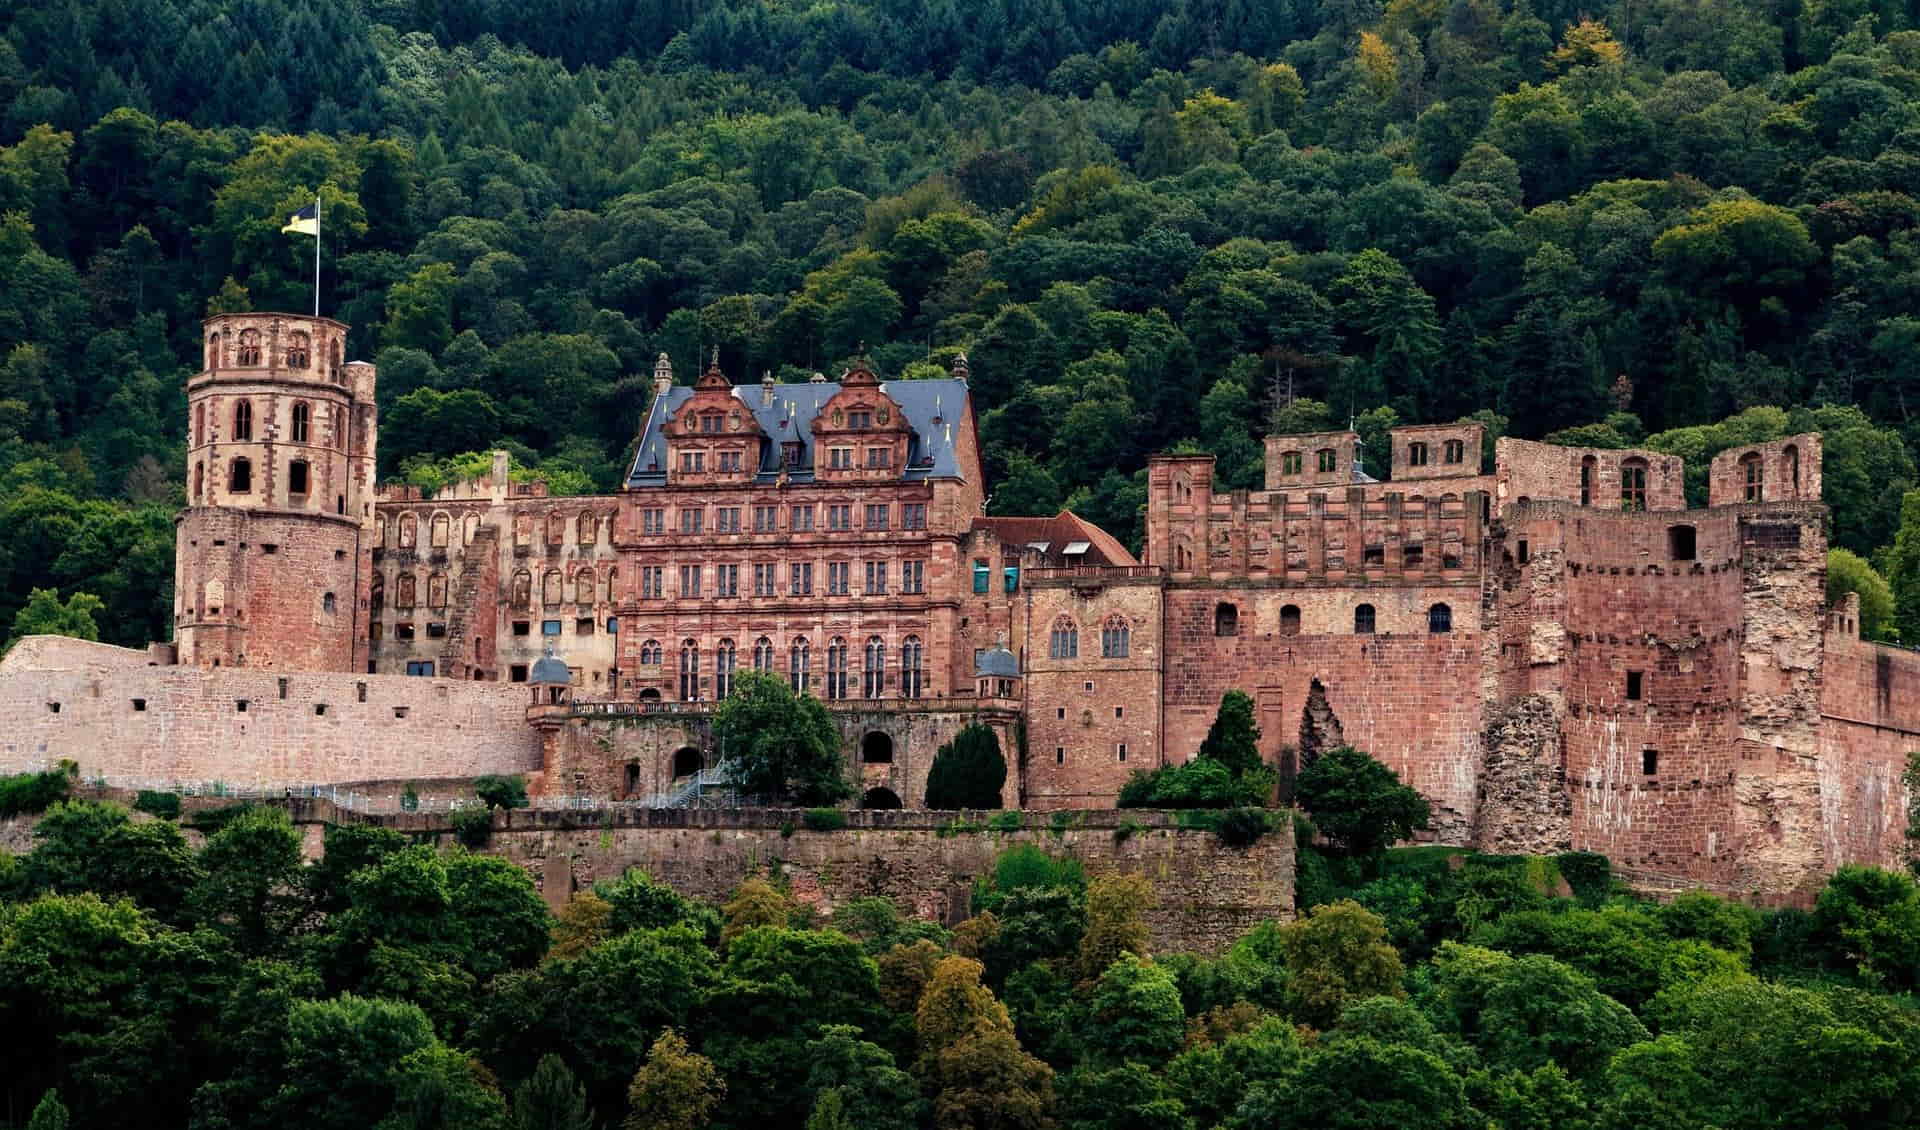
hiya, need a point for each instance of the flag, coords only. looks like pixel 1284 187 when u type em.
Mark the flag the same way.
pixel 306 221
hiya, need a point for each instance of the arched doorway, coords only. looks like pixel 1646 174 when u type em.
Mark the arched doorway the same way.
pixel 651 694
pixel 633 778
pixel 876 749
pixel 686 762
pixel 880 798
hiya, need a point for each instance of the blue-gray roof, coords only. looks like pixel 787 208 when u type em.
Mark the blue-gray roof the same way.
pixel 997 663
pixel 933 409
pixel 550 668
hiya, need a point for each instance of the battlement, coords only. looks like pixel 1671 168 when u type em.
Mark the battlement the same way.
pixel 1785 470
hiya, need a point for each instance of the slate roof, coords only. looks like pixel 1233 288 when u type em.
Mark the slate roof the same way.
pixel 932 408
pixel 998 663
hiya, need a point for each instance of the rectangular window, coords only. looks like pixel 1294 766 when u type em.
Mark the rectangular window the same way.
pixel 522 627
pixel 879 458
pixel 1290 463
pixel 403 631
pixel 517 673
pixel 800 578
pixel 653 583
pixel 800 519
pixel 982 574
pixel 1633 486
pixel 584 626
pixel 765 519
pixel 728 460
pixel 839 458
pixel 726 580
pixel 689 580
pixel 549 627
pixel 1122 750
pixel 420 667
pixel 913 516
pixel 877 516
pixel 1649 762
pixel 838 573
pixel 693 461
pixel 297 477
pixel 436 631
pixel 765 579
pixel 1010 576
pixel 1633 686
pixel 876 578
pixel 859 419
pixel 692 519
pixel 839 517
pixel 913 577
pixel 653 521
pixel 726 520
pixel 1059 755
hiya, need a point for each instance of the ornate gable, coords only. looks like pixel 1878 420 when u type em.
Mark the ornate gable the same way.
pixel 860 435
pixel 712 438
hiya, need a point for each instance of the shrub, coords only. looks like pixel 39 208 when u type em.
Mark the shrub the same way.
pixel 1008 821
pixel 164 805
pixel 1239 827
pixel 473 826
pixel 968 772
pixel 501 792
pixel 1201 783
pixel 210 820
pixel 1588 873
pixel 1358 804
pixel 33 792
pixel 823 819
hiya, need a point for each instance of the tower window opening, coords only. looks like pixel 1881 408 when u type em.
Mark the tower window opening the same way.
pixel 1680 543
pixel 1363 620
pixel 240 476
pixel 1633 484
pixel 1634 686
pixel 297 477
pixel 302 417
pixel 1649 762
pixel 243 420
pixel 1753 474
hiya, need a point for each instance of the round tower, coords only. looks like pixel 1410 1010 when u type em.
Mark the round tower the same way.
pixel 271 555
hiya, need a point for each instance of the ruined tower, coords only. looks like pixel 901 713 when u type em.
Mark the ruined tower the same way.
pixel 271 551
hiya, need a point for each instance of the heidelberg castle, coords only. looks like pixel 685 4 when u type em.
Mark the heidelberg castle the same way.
pixel 1554 649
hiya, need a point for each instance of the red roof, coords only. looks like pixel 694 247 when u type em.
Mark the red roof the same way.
pixel 1058 532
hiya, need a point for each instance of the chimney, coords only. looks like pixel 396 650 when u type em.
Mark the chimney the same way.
pixel 960 367
pixel 766 389
pixel 662 376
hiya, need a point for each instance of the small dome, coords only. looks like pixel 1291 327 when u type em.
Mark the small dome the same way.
pixel 997 663
pixel 550 669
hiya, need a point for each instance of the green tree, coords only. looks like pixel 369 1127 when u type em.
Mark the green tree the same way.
pixel 252 890
pixel 1135 1014
pixel 1870 920
pixel 967 772
pixel 1847 573
pixel 780 744
pixel 45 615
pixel 1903 569
pixel 1358 804
pixel 1116 926
pixel 420 309
pixel 1233 739
pixel 1337 954
pixel 551 1099
pixel 49 1113
pixel 676 1089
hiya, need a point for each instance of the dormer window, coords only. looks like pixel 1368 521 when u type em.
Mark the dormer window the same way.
pixel 711 423
pixel 860 418
pixel 793 452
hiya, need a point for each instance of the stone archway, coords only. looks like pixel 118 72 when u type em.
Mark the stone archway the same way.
pixel 880 798
pixel 686 762
pixel 876 749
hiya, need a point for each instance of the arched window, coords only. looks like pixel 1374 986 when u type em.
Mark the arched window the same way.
pixel 327 604
pixel 403 591
pixel 650 653
pixel 873 683
pixel 1226 619
pixel 302 416
pixel 333 354
pixel 763 654
pixel 522 597
pixel 589 528
pixel 199 479
pixel 377 595
pixel 723 663
pixel 836 668
pixel 437 590
pixel 1416 455
pixel 556 528
pixel 297 477
pixel 550 586
pixel 1791 455
pixel 243 419
pixel 1290 462
pixel 1633 484
pixel 913 674
pixel 299 350
pixel 1752 475
pixel 612 573
pixel 249 347
pixel 409 531
pixel 1064 641
pixel 213 351
pixel 689 671
pixel 199 424
pixel 522 529
pixel 1587 467
pixel 1115 638
pixel 1290 620
pixel 800 665
pixel 1363 620
pixel 583 582
pixel 1456 451
pixel 437 531
pixel 240 476
pixel 1439 619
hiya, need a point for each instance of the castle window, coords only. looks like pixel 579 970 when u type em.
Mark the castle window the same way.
pixel 859 419
pixel 403 591
pixel 243 419
pixel 1290 620
pixel 1416 455
pixel 1363 620
pixel 1122 751
pixel 1525 552
pixel 711 423
pixel 517 673
pixel 436 631
pixel 1226 619
pixel 409 531
pixel 333 351
pixel 556 528
pixel 1115 638
pixel 1326 459
pixel 1751 472
pixel 650 653
pixel 982 576
pixel 1439 619
pixel 139 704
pixel 874 675
pixel 589 528
pixel 437 591
pixel 1586 481
pixel 1412 555
pixel 199 479
pixel 1059 755
pixel 297 477
pixel 1649 762
pixel 523 627
pixel 723 664
pixel 302 418
pixel 550 585
pixel 249 347
pixel 836 668
pixel 240 476
pixel 839 458
pixel 299 350
pixel 1633 484
pixel 689 671
pixel 1635 685
pixel 420 668
pixel 437 531
pixel 1290 462
pixel 1373 555
pixel 522 529
pixel 800 665
pixel 377 595
pixel 1064 641
pixel 1455 451
pixel 763 654
pixel 912 667
pixel 879 458
pixel 213 351
pixel 522 593
pixel 583 582
pixel 199 424
pixel 328 604
pixel 1791 455
pixel 1680 543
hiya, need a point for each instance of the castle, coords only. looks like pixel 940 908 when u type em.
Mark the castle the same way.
pixel 1555 650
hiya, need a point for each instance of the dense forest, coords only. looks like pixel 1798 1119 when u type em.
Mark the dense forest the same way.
pixel 198 975
pixel 1681 224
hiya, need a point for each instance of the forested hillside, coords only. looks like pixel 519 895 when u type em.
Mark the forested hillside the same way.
pixel 1148 224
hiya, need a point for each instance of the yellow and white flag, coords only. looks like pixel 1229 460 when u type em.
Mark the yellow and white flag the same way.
pixel 306 221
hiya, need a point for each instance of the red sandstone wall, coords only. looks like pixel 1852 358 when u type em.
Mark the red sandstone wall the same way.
pixel 1525 470
pixel 269 576
pixel 1870 702
pixel 191 729
pixel 1789 472
pixel 1082 709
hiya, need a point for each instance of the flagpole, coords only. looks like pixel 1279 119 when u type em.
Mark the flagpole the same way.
pixel 316 254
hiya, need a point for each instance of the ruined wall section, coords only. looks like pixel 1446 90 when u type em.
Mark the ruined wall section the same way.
pixel 250 728
pixel 1094 718
pixel 1870 707
pixel 1786 470
pixel 1587 476
pixel 1524 806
